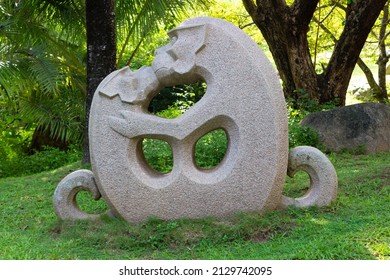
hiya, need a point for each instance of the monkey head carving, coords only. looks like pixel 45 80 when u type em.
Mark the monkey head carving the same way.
pixel 176 60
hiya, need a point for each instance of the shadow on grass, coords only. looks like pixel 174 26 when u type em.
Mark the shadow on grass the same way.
pixel 357 226
pixel 287 234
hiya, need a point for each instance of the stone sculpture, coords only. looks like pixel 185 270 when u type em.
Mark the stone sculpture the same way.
pixel 243 97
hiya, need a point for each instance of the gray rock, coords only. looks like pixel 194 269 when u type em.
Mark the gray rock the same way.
pixel 353 127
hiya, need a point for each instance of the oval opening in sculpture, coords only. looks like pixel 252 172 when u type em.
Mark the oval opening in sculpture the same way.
pixel 158 155
pixel 210 149
pixel 87 204
pixel 294 187
pixel 172 102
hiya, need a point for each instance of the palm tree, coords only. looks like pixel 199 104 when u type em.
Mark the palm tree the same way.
pixel 101 53
pixel 43 55
pixel 137 21
pixel 42 66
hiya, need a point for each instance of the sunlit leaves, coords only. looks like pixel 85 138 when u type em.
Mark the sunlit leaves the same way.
pixel 138 20
pixel 42 46
pixel 42 54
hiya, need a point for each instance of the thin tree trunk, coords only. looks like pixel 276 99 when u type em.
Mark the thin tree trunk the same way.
pixel 101 52
pixel 369 76
pixel 382 95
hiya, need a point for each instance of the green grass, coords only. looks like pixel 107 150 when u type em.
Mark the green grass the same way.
pixel 356 226
pixel 158 153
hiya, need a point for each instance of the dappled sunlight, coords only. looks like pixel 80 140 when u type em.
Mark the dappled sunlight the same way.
pixel 355 227
pixel 45 179
pixel 320 221
pixel 351 99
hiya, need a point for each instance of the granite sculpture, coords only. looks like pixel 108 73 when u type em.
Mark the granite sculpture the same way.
pixel 244 98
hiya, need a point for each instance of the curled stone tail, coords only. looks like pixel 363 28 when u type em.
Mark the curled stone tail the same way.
pixel 65 203
pixel 323 177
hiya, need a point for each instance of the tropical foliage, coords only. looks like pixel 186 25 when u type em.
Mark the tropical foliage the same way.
pixel 138 20
pixel 42 65
pixel 43 58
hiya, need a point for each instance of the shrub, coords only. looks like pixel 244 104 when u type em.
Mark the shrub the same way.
pixel 158 154
pixel 48 159
pixel 181 97
pixel 300 135
pixel 297 110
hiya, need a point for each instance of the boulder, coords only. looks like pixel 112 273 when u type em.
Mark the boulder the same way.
pixel 353 127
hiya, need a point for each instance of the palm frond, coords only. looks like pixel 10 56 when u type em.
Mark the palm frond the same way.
pixel 61 116
pixel 142 18
pixel 42 72
pixel 42 54
pixel 12 79
pixel 47 73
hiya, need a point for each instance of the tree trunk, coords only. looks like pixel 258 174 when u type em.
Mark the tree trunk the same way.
pixel 285 30
pixel 382 95
pixel 369 76
pixel 101 52
pixel 42 138
pixel 360 18
pixel 379 93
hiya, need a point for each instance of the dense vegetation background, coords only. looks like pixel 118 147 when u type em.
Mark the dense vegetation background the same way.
pixel 44 57
pixel 44 101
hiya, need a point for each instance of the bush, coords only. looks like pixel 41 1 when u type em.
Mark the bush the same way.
pixel 158 154
pixel 48 159
pixel 181 97
pixel 300 135
pixel 297 110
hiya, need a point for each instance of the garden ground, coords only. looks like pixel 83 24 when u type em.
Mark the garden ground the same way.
pixel 356 226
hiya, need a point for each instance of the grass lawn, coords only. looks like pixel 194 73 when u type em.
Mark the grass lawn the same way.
pixel 356 226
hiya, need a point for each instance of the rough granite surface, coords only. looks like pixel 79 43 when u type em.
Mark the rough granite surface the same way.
pixel 243 97
pixel 323 177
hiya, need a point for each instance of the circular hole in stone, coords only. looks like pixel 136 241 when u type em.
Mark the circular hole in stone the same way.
pixel 297 186
pixel 172 102
pixel 158 155
pixel 210 149
pixel 87 204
